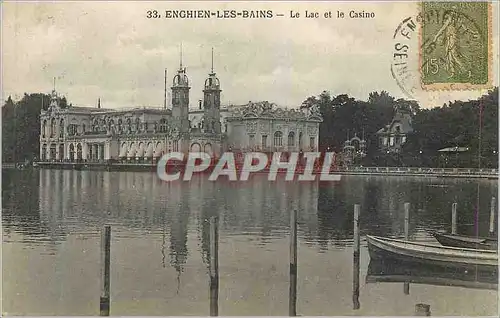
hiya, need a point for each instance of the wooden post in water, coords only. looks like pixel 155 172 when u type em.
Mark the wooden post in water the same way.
pixel 292 298
pixel 105 270
pixel 492 216
pixel 422 310
pixel 454 218
pixel 214 266
pixel 406 288
pixel 355 277
pixel 407 221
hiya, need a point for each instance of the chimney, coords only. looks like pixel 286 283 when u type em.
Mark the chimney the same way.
pixel 199 103
pixel 99 103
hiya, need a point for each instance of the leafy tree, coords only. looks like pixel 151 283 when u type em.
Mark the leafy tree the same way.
pixel 21 127
pixel 455 124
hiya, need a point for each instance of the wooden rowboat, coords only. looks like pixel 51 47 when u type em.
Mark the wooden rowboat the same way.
pixel 463 259
pixel 482 243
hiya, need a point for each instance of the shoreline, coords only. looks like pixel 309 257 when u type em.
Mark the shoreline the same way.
pixel 487 173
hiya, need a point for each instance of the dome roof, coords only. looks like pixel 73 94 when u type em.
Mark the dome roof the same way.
pixel 181 78
pixel 212 82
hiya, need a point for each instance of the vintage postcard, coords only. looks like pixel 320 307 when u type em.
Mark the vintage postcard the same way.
pixel 243 158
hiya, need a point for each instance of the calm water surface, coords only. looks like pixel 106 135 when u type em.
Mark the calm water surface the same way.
pixel 159 253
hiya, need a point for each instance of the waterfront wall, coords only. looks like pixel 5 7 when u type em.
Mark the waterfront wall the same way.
pixel 382 171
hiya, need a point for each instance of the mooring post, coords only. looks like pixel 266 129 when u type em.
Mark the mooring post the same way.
pixel 492 216
pixel 214 266
pixel 105 270
pixel 355 277
pixel 422 310
pixel 407 221
pixel 292 299
pixel 454 218
pixel 406 288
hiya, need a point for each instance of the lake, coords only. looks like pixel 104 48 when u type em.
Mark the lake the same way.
pixel 160 243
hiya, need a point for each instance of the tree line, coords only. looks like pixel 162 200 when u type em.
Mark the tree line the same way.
pixel 21 126
pixel 455 124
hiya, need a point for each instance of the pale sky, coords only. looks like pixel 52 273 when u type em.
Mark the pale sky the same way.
pixel 110 50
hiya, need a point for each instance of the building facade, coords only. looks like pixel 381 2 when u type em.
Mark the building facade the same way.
pixel 393 136
pixel 144 134
pixel 265 127
pixel 354 150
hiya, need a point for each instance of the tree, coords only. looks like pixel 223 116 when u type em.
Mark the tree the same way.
pixel 21 127
pixel 382 99
pixel 454 124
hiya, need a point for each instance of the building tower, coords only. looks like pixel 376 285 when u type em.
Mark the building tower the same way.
pixel 211 103
pixel 180 99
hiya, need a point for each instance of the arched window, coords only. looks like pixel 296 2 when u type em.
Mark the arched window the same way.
pixel 79 152
pixel 44 129
pixel 72 129
pixel 175 98
pixel 128 128
pixel 208 149
pixel 278 139
pixel 44 152
pixel 61 151
pixel 71 152
pixel 137 124
pixel 53 128
pixel 163 125
pixel 300 140
pixel 111 125
pixel 103 125
pixel 291 139
pixel 61 128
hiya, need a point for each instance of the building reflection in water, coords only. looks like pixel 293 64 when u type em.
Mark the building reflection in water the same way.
pixel 47 205
pixel 20 205
pixel 179 219
pixel 208 208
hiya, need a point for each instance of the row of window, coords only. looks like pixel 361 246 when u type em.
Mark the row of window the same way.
pixel 52 132
pixel 392 141
pixel 278 140
pixel 73 129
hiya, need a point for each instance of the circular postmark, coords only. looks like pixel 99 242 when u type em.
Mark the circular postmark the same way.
pixel 445 47
pixel 404 61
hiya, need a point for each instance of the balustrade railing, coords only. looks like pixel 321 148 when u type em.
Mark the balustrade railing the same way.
pixel 423 170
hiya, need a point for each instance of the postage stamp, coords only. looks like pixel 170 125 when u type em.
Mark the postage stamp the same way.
pixel 456 45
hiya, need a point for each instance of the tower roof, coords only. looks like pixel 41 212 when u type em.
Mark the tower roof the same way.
pixel 212 82
pixel 181 79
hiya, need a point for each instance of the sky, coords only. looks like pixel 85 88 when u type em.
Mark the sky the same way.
pixel 112 51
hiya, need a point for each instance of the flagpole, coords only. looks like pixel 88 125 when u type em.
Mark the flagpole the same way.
pixel 165 92
pixel 479 165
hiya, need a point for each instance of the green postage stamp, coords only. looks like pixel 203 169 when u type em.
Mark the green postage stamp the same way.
pixel 456 45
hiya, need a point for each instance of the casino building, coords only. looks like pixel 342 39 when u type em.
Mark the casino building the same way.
pixel 144 134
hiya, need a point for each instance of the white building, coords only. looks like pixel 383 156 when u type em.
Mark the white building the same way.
pixel 143 134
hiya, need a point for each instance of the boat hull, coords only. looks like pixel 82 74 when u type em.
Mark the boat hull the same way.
pixel 466 242
pixel 442 257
